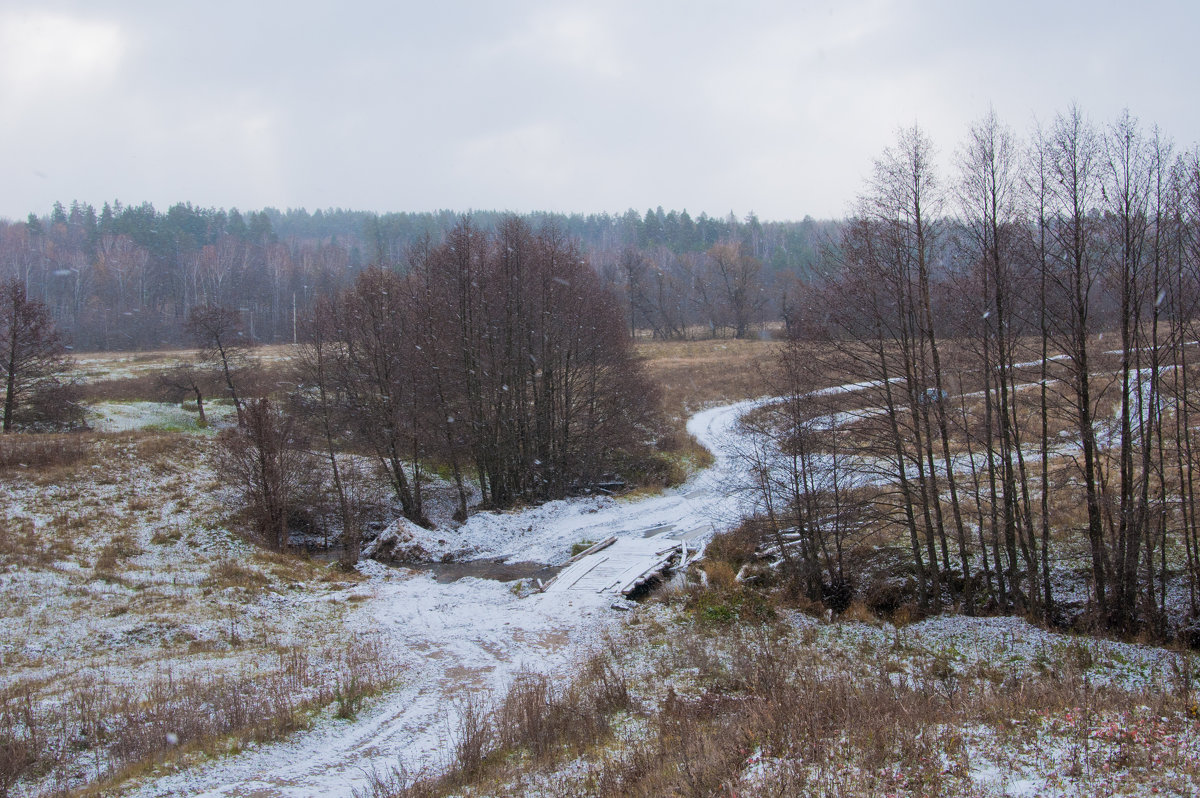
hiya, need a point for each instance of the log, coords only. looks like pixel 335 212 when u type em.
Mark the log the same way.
pixel 604 544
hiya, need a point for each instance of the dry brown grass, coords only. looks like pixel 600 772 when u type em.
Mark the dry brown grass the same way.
pixel 121 547
pixel 720 575
pixel 126 730
pixel 291 568
pixel 23 546
pixel 770 710
pixel 675 456
pixel 143 387
pixel 692 374
pixel 30 451
pixel 737 546
pixel 231 574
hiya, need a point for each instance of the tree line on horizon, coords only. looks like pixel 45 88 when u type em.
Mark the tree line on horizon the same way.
pixel 127 276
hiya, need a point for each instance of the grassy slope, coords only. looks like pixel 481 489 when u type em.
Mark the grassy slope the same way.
pixel 138 628
pixel 687 700
pixel 129 595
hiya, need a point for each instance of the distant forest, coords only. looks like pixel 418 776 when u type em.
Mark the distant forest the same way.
pixel 126 277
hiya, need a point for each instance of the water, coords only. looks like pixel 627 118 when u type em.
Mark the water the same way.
pixel 446 572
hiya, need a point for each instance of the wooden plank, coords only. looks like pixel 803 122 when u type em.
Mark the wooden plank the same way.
pixel 693 534
pixel 570 576
pixel 593 549
pixel 618 567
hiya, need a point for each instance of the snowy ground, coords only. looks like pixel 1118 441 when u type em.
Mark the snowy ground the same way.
pixel 713 499
pixel 451 640
pixel 159 416
pixel 121 571
pixel 469 635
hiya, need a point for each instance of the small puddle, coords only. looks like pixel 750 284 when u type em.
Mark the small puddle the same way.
pixel 446 572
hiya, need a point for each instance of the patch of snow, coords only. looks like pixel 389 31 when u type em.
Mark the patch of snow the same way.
pixel 129 416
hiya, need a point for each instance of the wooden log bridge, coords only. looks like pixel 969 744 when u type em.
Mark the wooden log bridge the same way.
pixel 619 566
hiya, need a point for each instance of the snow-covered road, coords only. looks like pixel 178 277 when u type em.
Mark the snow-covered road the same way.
pixel 459 638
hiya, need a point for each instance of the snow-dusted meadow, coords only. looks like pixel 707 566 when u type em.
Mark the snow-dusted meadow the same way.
pixel 137 577
pixel 120 573
pixel 131 575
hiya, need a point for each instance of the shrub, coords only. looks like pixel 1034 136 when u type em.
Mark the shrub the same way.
pixel 266 459
pixel 735 547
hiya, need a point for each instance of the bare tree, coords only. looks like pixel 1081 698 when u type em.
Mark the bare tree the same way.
pixel 988 199
pixel 319 359
pixel 733 277
pixel 184 380
pixel 1127 174
pixel 31 351
pixel 269 464
pixel 1074 161
pixel 804 479
pixel 502 352
pixel 1037 189
pixel 670 289
pixel 905 201
pixel 634 269
pixel 864 308
pixel 223 344
pixel 375 379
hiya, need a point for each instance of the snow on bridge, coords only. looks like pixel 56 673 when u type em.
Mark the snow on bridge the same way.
pixel 619 566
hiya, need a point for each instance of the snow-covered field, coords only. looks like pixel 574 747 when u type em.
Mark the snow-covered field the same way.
pixel 141 560
pixel 952 705
pixel 120 572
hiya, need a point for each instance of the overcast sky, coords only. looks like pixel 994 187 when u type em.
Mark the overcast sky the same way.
pixel 773 107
